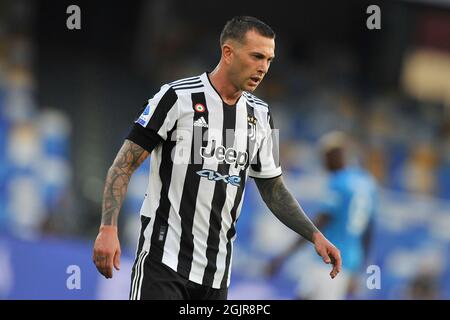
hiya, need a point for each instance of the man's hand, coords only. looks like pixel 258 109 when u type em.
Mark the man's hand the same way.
pixel 107 251
pixel 328 252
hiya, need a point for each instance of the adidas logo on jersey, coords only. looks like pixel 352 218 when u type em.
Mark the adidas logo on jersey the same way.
pixel 201 123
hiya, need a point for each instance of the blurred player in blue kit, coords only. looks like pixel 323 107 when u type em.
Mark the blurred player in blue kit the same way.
pixel 346 215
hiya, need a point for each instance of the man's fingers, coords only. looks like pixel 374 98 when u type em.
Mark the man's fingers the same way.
pixel 337 260
pixel 334 272
pixel 117 260
pixel 103 262
pixel 337 263
pixel 108 266
pixel 326 258
pixel 101 266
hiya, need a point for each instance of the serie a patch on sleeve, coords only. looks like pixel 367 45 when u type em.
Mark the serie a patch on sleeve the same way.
pixel 144 118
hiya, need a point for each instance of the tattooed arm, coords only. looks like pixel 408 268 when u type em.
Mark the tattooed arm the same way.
pixel 107 246
pixel 129 158
pixel 284 206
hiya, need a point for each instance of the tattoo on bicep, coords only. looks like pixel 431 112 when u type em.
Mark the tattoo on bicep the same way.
pixel 285 207
pixel 129 158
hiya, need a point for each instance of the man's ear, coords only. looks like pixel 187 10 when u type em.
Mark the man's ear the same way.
pixel 227 53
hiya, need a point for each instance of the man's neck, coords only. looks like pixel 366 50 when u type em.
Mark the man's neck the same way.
pixel 223 86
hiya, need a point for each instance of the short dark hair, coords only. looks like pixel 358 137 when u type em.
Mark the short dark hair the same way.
pixel 237 27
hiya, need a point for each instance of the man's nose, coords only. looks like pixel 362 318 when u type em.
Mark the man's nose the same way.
pixel 263 67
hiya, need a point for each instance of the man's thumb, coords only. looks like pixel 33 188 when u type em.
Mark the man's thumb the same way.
pixel 117 260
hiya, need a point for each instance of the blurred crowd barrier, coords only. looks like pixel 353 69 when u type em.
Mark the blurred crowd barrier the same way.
pixel 55 268
pixel 410 246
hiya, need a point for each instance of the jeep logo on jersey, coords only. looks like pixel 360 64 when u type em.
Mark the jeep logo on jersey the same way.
pixel 229 155
pixel 216 176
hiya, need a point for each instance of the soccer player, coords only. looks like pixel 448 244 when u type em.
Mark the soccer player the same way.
pixel 346 217
pixel 206 134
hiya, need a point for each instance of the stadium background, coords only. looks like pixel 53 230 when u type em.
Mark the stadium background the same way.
pixel 68 98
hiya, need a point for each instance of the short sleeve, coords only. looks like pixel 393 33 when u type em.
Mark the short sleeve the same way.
pixel 267 161
pixel 157 117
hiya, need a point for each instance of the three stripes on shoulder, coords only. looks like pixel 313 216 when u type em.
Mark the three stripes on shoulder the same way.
pixel 188 83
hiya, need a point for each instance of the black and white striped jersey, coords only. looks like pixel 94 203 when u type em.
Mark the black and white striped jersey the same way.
pixel 202 153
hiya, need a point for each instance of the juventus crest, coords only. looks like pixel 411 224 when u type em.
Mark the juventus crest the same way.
pixel 251 120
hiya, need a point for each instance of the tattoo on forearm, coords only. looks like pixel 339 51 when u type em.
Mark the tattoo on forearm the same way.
pixel 285 207
pixel 129 158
